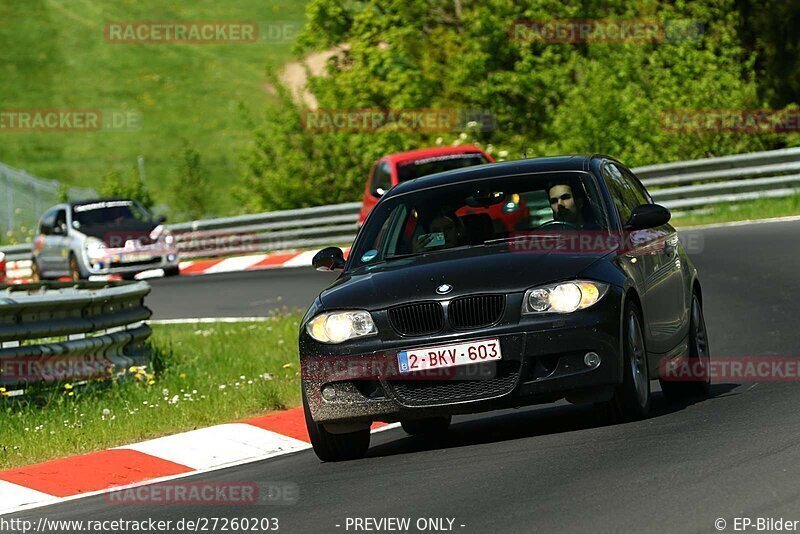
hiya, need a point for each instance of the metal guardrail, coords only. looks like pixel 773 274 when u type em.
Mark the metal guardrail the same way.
pixel 280 230
pixel 64 331
pixel 680 185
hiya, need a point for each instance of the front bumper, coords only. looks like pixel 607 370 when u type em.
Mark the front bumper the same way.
pixel 132 262
pixel 543 361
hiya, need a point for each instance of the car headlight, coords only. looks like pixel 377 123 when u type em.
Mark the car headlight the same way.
pixel 95 248
pixel 563 297
pixel 339 326
pixel 160 233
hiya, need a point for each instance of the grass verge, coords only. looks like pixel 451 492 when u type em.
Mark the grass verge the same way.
pixel 742 211
pixel 214 373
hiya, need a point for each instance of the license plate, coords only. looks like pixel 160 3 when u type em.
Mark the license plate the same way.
pixel 133 258
pixel 453 355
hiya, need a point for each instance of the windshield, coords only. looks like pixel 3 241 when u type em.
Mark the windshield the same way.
pixel 480 213
pixel 409 170
pixel 110 212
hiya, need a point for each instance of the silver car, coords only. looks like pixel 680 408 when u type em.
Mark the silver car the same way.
pixel 102 237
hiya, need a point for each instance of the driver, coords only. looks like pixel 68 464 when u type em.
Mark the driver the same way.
pixel 566 207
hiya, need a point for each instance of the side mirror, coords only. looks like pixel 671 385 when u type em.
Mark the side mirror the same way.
pixel 647 216
pixel 329 259
pixel 59 229
pixel 161 219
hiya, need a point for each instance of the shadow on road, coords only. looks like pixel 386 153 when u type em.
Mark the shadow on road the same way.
pixel 530 422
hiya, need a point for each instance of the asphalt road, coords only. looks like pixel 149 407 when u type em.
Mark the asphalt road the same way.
pixel 553 468
pixel 242 294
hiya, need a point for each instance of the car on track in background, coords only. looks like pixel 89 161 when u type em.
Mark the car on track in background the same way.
pixel 400 167
pixel 102 237
pixel 435 314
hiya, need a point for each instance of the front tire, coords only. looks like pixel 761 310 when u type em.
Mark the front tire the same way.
pixel 74 269
pixel 699 361
pixel 429 427
pixel 36 273
pixel 172 271
pixel 631 400
pixel 335 447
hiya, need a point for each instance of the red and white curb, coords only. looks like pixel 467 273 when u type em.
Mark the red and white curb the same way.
pixel 20 271
pixel 157 460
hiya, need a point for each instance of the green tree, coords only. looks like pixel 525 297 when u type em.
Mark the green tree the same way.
pixel 191 191
pixel 552 97
pixel 114 184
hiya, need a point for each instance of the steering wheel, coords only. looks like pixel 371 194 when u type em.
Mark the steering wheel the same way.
pixel 557 225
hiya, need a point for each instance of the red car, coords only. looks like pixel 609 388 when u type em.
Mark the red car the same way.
pixel 2 268
pixel 403 166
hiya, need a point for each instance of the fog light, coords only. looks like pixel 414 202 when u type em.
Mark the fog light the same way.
pixel 328 393
pixel 171 257
pixel 592 359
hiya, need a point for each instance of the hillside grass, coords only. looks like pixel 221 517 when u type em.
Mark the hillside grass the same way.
pixel 55 55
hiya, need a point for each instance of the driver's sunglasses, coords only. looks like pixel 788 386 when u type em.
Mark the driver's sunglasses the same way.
pixel 565 196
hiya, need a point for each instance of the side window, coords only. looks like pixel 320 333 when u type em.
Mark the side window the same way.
pixel 626 192
pixel 61 221
pixel 47 223
pixel 637 186
pixel 381 180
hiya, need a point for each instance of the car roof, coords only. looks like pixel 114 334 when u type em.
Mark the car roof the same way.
pixel 422 153
pixel 96 200
pixel 493 170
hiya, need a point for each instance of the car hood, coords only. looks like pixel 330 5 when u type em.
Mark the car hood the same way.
pixel 416 278
pixel 116 235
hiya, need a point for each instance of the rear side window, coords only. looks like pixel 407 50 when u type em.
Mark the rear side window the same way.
pixel 61 220
pixel 381 180
pixel 47 223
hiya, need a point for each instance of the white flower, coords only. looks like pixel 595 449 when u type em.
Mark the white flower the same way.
pixel 471 124
pixel 106 411
pixel 463 136
pixel 165 392
pixel 503 153
pixel 439 140
pixel 222 386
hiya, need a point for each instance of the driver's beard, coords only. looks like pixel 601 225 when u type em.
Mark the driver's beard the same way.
pixel 565 215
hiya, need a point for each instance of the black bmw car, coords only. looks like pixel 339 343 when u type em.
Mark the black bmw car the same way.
pixel 499 286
